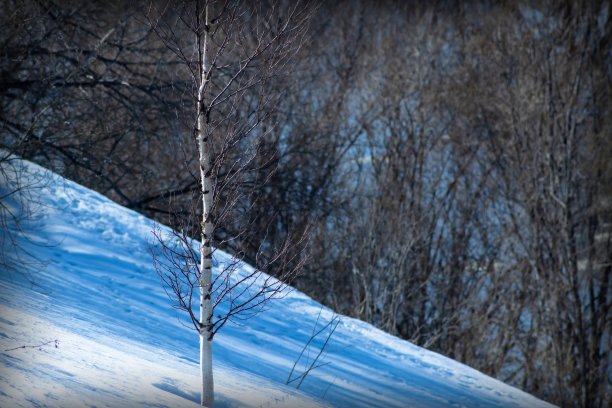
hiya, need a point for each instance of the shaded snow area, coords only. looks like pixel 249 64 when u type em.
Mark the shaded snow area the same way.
pixel 93 288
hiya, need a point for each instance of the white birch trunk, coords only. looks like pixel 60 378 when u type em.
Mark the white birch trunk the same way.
pixel 206 369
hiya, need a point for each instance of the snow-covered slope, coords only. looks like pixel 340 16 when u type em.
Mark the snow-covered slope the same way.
pixel 121 344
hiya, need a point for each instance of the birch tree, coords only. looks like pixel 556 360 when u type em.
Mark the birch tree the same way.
pixel 231 50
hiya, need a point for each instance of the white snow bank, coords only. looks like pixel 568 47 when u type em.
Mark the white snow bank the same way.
pixel 121 343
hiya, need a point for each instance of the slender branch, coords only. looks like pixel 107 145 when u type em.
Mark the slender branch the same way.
pixel 38 346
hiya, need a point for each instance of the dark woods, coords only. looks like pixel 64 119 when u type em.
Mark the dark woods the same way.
pixel 452 161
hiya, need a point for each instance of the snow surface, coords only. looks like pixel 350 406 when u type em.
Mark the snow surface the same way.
pixel 121 344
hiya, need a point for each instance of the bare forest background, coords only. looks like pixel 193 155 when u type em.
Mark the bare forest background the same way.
pixel 451 162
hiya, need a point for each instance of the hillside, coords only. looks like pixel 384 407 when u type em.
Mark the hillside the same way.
pixel 94 289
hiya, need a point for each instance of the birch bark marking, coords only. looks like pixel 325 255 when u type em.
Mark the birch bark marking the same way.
pixel 206 370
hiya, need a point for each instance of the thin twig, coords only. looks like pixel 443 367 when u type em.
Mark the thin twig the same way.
pixel 38 346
